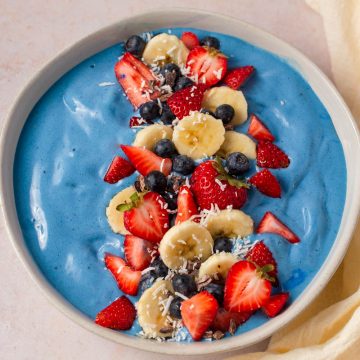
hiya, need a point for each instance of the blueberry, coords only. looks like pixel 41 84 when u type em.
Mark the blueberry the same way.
pixel 182 83
pixel 156 181
pixel 206 111
pixel 135 45
pixel 172 219
pixel 171 200
pixel 170 68
pixel 183 164
pixel 160 269
pixel 222 244
pixel 217 291
pixel 149 110
pixel 165 148
pixel 175 307
pixel 167 116
pixel 225 113
pixel 237 163
pixel 184 284
pixel 211 42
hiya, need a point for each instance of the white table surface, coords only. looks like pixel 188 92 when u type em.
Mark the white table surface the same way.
pixel 31 33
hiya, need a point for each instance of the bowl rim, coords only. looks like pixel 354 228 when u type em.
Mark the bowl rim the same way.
pixel 251 337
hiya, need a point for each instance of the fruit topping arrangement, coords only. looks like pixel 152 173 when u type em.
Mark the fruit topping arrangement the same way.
pixel 181 217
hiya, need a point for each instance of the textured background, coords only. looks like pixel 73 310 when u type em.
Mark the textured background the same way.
pixel 31 33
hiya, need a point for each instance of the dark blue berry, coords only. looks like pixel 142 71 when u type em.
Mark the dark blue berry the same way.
pixel 237 163
pixel 171 200
pixel 217 291
pixel 210 41
pixel 167 116
pixel 206 111
pixel 135 45
pixel 160 269
pixel 184 284
pixel 225 113
pixel 156 181
pixel 149 110
pixel 183 164
pixel 222 244
pixel 165 148
pixel 170 68
pixel 175 307
pixel 183 83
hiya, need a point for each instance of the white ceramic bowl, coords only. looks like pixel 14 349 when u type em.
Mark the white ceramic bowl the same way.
pixel 342 119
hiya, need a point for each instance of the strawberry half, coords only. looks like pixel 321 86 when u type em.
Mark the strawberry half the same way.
pixel 118 169
pixel 198 313
pixel 138 252
pixel 207 65
pixel 149 220
pixel 268 155
pixel 237 77
pixel 223 319
pixel 258 130
pixel 271 224
pixel 186 205
pixel 136 79
pixel 119 315
pixel 190 39
pixel 146 161
pixel 266 183
pixel 275 304
pixel 185 100
pixel 245 289
pixel 136 121
pixel 127 279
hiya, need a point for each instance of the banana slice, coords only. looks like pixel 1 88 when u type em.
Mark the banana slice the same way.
pixel 236 142
pixel 198 135
pixel 151 134
pixel 225 95
pixel 152 309
pixel 219 264
pixel 230 223
pixel 183 242
pixel 116 218
pixel 164 48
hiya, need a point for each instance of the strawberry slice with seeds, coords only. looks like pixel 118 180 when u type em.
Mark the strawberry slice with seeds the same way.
pixel 275 304
pixel 246 288
pixel 266 183
pixel 136 79
pixel 190 39
pixel 119 315
pixel 127 279
pixel 185 100
pixel 271 224
pixel 237 77
pixel 136 121
pixel 268 155
pixel 146 161
pixel 138 252
pixel 186 205
pixel 224 319
pixel 198 313
pixel 118 169
pixel 258 130
pixel 149 218
pixel 207 65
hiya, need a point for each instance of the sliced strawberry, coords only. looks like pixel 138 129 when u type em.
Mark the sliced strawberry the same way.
pixel 185 100
pixel 136 79
pixel 146 161
pixel 223 319
pixel 198 313
pixel 118 169
pixel 138 252
pixel 245 289
pixel 261 255
pixel 271 224
pixel 128 280
pixel 150 219
pixel 237 77
pixel 119 315
pixel 207 65
pixel 258 130
pixel 186 205
pixel 275 304
pixel 268 155
pixel 136 121
pixel 266 183
pixel 190 39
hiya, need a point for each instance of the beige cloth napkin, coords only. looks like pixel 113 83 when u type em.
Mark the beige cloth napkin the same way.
pixel 330 327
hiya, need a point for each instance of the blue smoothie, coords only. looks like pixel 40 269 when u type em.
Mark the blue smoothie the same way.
pixel 74 131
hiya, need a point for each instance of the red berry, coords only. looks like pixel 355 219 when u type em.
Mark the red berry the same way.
pixel 268 155
pixel 237 77
pixel 266 183
pixel 275 304
pixel 136 121
pixel 258 130
pixel 186 205
pixel 223 319
pixel 190 39
pixel 118 169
